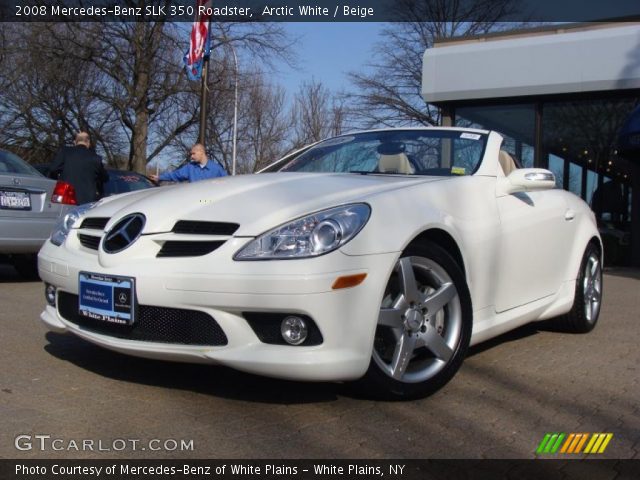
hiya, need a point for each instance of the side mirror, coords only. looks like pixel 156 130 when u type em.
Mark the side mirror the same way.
pixel 527 180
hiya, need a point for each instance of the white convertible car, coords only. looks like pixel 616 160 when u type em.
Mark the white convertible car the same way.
pixel 377 256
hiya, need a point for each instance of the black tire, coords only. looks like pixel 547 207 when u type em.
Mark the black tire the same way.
pixel 26 265
pixel 431 361
pixel 583 316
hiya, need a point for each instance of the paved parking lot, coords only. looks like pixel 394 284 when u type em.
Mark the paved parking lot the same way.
pixel 508 394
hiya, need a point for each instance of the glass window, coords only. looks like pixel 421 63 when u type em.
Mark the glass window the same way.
pixel 584 132
pixel 528 156
pixel 556 165
pixel 592 184
pixel 121 182
pixel 10 163
pixel 417 152
pixel 609 201
pixel 516 123
pixel 575 179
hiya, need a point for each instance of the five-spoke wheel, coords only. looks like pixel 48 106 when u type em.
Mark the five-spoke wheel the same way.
pixel 424 325
pixel 587 301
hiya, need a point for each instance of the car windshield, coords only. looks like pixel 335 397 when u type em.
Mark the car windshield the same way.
pixel 121 182
pixel 405 152
pixel 10 163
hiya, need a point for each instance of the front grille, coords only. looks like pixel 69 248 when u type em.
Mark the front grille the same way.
pixel 89 241
pixel 266 326
pixel 187 249
pixel 95 223
pixel 205 228
pixel 153 324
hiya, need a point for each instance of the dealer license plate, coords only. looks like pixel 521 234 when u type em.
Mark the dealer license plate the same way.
pixel 15 200
pixel 107 298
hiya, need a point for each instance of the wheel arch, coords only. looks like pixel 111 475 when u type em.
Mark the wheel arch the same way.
pixel 597 242
pixel 446 241
pixel 581 247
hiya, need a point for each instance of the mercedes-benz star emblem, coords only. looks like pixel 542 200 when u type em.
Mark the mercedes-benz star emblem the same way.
pixel 124 233
pixel 122 297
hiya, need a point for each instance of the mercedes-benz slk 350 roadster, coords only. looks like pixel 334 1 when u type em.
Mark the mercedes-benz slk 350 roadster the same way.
pixel 377 256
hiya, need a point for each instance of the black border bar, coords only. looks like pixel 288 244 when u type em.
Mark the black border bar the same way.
pixel 322 10
pixel 362 469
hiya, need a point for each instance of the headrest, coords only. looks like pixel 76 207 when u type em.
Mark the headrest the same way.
pixel 391 148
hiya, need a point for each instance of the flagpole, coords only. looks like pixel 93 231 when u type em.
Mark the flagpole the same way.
pixel 203 100
pixel 196 59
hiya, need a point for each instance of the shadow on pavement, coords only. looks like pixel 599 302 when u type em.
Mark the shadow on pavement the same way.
pixel 223 381
pixel 8 274
pixel 512 336
pixel 206 379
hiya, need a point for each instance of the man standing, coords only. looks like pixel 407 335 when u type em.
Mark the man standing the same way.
pixel 81 167
pixel 199 168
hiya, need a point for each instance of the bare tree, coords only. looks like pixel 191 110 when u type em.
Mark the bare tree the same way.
pixel 140 67
pixel 265 125
pixel 44 97
pixel 390 93
pixel 317 114
pixel 124 82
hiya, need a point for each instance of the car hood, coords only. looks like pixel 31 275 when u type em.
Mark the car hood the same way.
pixel 256 202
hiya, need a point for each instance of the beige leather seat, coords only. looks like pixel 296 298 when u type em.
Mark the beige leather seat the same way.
pixel 507 162
pixel 395 163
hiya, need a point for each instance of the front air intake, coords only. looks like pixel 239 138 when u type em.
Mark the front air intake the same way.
pixel 174 248
pixel 153 324
pixel 205 228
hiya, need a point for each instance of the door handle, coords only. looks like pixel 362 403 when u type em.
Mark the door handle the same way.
pixel 569 215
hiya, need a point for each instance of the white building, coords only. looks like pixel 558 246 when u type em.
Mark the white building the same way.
pixel 560 96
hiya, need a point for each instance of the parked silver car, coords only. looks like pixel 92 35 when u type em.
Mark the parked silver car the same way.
pixel 27 212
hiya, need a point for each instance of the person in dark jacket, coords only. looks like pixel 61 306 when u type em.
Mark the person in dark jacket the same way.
pixel 81 167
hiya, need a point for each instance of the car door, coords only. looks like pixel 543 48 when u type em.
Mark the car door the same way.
pixel 535 235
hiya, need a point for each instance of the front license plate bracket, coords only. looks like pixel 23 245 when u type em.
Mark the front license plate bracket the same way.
pixel 107 298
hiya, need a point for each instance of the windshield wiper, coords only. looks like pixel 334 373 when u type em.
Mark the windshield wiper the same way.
pixel 362 172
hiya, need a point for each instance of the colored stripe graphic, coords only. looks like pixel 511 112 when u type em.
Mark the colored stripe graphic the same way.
pixel 598 442
pixel 543 443
pixel 605 443
pixel 568 442
pixel 573 443
pixel 555 447
pixel 582 442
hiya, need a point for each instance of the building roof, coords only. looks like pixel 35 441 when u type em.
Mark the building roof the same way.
pixel 560 59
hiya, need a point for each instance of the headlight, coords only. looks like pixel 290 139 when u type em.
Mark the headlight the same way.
pixel 309 236
pixel 65 224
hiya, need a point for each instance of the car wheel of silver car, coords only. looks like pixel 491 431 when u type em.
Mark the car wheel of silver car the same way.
pixel 424 325
pixel 583 316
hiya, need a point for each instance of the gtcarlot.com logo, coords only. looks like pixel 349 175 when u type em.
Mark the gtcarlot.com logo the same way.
pixel 574 443
pixel 45 443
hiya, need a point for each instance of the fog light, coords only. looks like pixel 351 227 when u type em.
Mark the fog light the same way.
pixel 293 330
pixel 50 294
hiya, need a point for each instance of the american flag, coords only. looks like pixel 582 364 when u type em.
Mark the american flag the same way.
pixel 199 41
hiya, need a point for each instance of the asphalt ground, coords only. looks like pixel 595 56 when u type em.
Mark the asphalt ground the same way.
pixel 57 392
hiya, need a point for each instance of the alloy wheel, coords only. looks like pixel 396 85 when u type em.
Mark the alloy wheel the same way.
pixel 420 321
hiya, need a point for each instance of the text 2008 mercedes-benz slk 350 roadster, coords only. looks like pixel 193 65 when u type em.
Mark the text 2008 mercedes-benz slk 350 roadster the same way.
pixel 378 256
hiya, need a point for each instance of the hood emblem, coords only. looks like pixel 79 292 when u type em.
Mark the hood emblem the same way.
pixel 124 233
pixel 16 181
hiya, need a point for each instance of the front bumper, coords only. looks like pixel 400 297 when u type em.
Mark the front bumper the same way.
pixel 225 289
